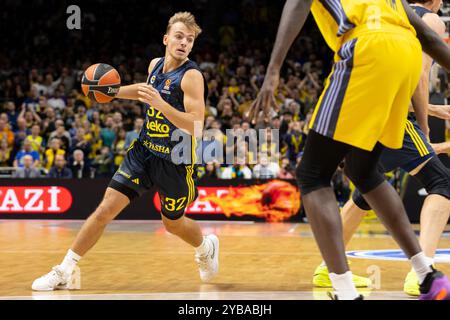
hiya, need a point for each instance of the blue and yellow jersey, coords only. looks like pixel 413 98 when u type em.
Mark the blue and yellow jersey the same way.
pixel 336 18
pixel 157 132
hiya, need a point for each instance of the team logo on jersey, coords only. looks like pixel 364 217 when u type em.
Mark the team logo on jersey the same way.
pixel 167 84
pixel 152 79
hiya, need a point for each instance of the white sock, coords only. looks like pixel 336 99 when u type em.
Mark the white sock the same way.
pixel 421 266
pixel 343 286
pixel 204 248
pixel 70 261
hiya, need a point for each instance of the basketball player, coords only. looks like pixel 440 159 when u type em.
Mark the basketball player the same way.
pixel 416 157
pixel 362 110
pixel 174 96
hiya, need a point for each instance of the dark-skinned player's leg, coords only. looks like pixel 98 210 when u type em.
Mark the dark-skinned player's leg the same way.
pixel 321 157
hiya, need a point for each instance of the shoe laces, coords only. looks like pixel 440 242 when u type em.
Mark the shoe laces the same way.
pixel 56 275
pixel 202 261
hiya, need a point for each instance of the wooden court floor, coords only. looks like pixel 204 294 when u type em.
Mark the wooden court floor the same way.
pixel 140 260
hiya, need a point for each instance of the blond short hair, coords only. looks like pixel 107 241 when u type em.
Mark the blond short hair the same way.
pixel 188 19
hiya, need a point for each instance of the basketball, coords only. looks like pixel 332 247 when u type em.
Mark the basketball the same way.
pixel 100 82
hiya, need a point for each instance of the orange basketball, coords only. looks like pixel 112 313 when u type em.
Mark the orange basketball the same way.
pixel 100 82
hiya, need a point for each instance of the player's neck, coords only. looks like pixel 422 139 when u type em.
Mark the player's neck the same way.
pixel 422 5
pixel 171 64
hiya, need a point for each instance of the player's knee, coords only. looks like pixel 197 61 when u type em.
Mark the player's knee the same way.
pixel 364 179
pixel 310 180
pixel 173 226
pixel 359 201
pixel 435 177
pixel 104 214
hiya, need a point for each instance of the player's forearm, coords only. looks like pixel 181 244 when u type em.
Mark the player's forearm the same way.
pixel 431 42
pixel 129 92
pixel 293 18
pixel 188 122
pixel 443 147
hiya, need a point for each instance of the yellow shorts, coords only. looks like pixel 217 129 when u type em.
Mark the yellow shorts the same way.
pixel 368 92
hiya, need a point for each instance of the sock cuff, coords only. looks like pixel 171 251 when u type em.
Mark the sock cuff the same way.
pixel 71 254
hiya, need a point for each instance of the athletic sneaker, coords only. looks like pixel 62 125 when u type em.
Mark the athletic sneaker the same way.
pixel 436 286
pixel 57 279
pixel 209 263
pixel 411 285
pixel 321 279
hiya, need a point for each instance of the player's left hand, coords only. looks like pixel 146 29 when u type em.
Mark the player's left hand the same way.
pixel 151 96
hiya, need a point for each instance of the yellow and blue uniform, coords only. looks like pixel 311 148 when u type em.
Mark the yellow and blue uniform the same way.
pixel 415 151
pixel 376 70
pixel 149 161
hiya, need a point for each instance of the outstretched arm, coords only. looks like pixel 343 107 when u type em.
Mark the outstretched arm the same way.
pixel 293 18
pixel 130 92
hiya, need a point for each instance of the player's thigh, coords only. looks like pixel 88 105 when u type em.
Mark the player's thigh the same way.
pixel 176 188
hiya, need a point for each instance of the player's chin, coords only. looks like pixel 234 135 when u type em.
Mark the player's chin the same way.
pixel 180 55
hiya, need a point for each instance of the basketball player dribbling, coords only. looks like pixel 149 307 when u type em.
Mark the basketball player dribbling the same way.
pixel 362 109
pixel 174 96
pixel 416 157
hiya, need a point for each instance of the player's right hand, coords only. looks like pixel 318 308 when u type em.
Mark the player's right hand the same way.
pixel 265 100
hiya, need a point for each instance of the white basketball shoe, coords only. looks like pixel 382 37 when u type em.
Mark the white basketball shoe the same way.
pixel 57 279
pixel 208 264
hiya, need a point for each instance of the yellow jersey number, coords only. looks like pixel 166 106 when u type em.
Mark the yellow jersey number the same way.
pixel 171 204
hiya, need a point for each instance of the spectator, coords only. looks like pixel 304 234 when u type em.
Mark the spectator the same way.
pixel 134 134
pixel 26 150
pixel 108 134
pixel 5 154
pixel 265 169
pixel 81 142
pixel 57 102
pixel 27 170
pixel 238 170
pixel 53 150
pixel 59 170
pixel 6 133
pixel 35 139
pixel 12 113
pixel 286 170
pixel 20 135
pixel 63 135
pixel 103 163
pixel 119 148
pixel 79 166
pixel 211 171
pixel 295 140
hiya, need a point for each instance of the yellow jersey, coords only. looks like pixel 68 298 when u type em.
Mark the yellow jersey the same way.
pixel 335 18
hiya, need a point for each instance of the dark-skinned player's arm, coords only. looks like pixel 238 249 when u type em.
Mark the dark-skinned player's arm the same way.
pixel 420 100
pixel 431 42
pixel 292 20
pixel 190 121
pixel 130 92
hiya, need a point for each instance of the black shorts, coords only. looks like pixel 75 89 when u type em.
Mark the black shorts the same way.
pixel 415 151
pixel 141 170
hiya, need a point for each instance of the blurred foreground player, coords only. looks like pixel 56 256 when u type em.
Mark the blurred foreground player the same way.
pixel 361 111
pixel 416 157
pixel 175 99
